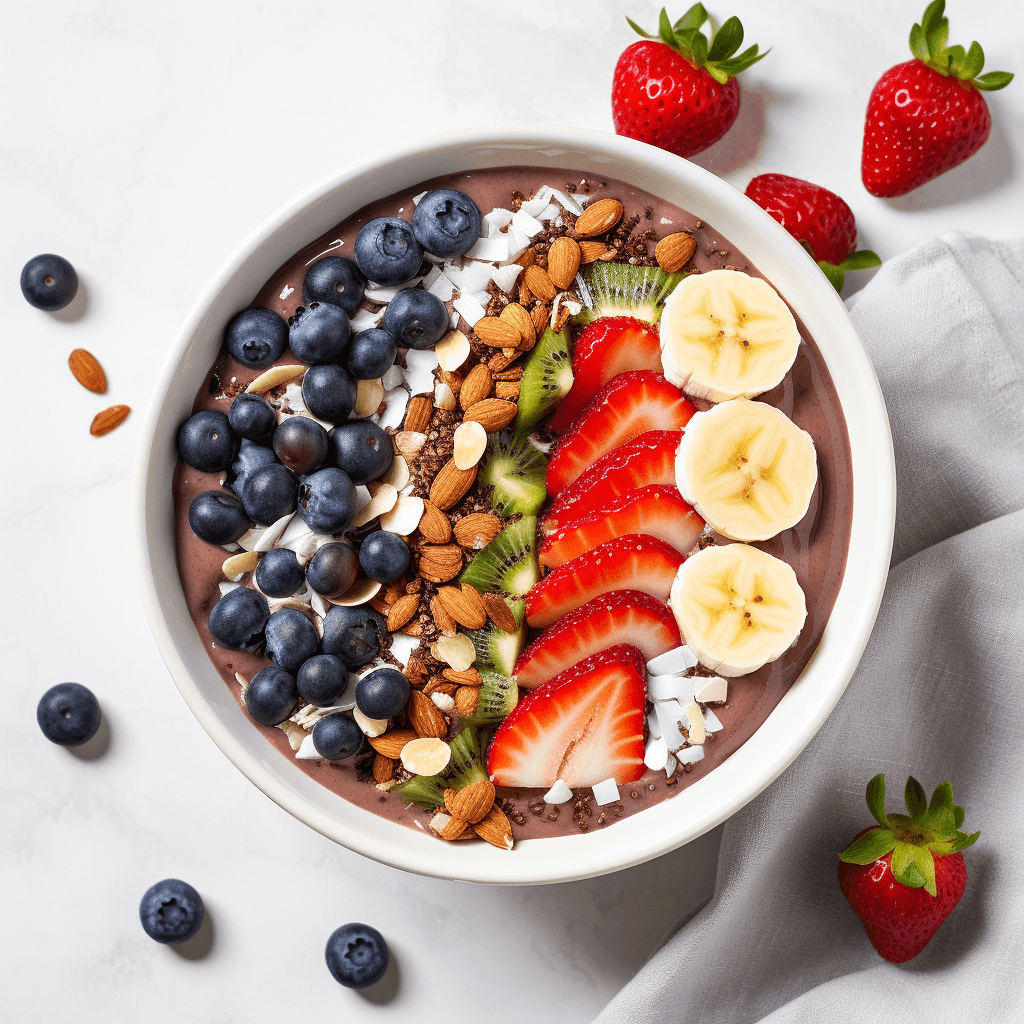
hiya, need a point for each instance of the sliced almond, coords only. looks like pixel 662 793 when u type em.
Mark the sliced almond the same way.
pixel 598 217
pixel 452 350
pixel 696 733
pixel 499 612
pixel 434 525
pixel 457 651
pixel 104 422
pixel 235 567
pixel 369 395
pixel 404 516
pixel 477 530
pixel 563 261
pixel 398 474
pixel 370 726
pixel 674 251
pixel 464 605
pixel 85 368
pixel 451 483
pixel 476 387
pixel 439 563
pixel 539 283
pixel 269 379
pixel 492 414
pixel 418 413
pixel 497 333
pixel 519 318
pixel 470 442
pixel 472 802
pixel 409 442
pixel 392 743
pixel 402 611
pixel 383 501
pixel 359 593
pixel 444 397
pixel 496 829
pixel 425 716
pixel 426 756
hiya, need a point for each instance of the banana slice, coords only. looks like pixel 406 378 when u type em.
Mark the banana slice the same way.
pixel 737 608
pixel 747 469
pixel 725 334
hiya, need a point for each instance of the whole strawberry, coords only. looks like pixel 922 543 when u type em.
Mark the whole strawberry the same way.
pixel 677 90
pixel 818 219
pixel 904 876
pixel 926 116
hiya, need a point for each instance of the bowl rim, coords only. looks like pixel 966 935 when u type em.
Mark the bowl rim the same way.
pixel 803 709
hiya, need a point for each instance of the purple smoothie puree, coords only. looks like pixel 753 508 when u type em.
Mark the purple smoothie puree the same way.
pixel 816 548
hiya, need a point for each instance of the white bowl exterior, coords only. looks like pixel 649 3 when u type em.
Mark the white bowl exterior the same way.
pixel 800 713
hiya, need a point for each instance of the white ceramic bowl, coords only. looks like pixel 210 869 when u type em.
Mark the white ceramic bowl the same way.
pixel 793 722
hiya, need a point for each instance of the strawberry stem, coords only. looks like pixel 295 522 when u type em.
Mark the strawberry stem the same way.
pixel 928 44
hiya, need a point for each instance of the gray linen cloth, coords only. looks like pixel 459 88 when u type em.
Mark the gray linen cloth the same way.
pixel 938 695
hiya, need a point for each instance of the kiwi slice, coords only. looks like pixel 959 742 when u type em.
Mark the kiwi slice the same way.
pixel 620 289
pixel 466 765
pixel 508 565
pixel 515 470
pixel 547 377
pixel 498 696
pixel 425 790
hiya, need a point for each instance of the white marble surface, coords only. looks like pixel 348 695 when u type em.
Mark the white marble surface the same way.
pixel 143 142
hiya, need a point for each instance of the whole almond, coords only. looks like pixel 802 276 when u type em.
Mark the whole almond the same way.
pixel 499 361
pixel 492 414
pixel 442 617
pixel 425 716
pixel 499 612
pixel 434 526
pixel 402 611
pixel 470 677
pixel 497 333
pixel 467 699
pixel 540 315
pixel 451 483
pixel 472 802
pixel 674 251
pixel 453 380
pixel 87 370
pixel 563 261
pixel 449 827
pixel 523 293
pixel 513 373
pixel 392 742
pixel 415 671
pixel 538 281
pixel 526 258
pixel 519 318
pixel 591 251
pixel 477 530
pixel 464 605
pixel 440 563
pixel 104 422
pixel 496 829
pixel 412 629
pixel 476 387
pixel 383 768
pixel 507 389
pixel 439 685
pixel 418 413
pixel 598 218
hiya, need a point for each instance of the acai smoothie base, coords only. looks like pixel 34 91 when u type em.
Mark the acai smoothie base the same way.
pixel 816 548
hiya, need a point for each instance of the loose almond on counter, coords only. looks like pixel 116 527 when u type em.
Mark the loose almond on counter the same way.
pixel 440 563
pixel 451 483
pixel 492 413
pixel 563 261
pixel 104 422
pixel 476 387
pixel 470 442
pixel 674 251
pixel 477 530
pixel 87 371
pixel 598 218
pixel 434 526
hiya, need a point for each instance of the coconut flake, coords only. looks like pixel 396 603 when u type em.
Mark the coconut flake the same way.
pixel 559 793
pixel 566 202
pixel 661 687
pixel 442 287
pixel 226 587
pixel 370 726
pixel 385 293
pixel 398 474
pixel 471 310
pixel 711 690
pixel 273 533
pixel 443 702
pixel 364 320
pixel 654 725
pixel 359 593
pixel 606 792
pixel 684 689
pixel 539 200
pixel 677 660
pixel 670 714
pixel 294 733
pixel 492 223
pixel 404 516
pixel 656 753
pixel 493 249
pixel 690 755
pixel 419 369
pixel 307 750
pixel 444 397
pixel 394 377
pixel 505 277
pixel 524 224
pixel 712 723
pixel 395 402
pixel 452 351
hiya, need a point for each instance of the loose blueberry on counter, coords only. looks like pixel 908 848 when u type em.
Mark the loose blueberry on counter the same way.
pixel 252 416
pixel 382 693
pixel 418 319
pixel 301 444
pixel 387 252
pixel 446 222
pixel 291 639
pixel 272 697
pixel 362 449
pixel 336 737
pixel 383 556
pixel 353 634
pixel 238 618
pixel 68 714
pixel 171 911
pixel 251 457
pixel 333 569
pixel 218 517
pixel 318 333
pixel 206 441
pixel 357 955
pixel 322 680
pixel 256 337
pixel 334 279
pixel 49 282
pixel 327 501
pixel 270 493
pixel 278 573
pixel 329 392
pixel 371 354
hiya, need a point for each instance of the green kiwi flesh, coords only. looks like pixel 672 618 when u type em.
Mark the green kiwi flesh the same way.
pixel 621 289
pixel 515 471
pixel 498 696
pixel 547 378
pixel 507 565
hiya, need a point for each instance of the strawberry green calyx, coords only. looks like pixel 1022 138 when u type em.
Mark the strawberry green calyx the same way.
pixel 717 54
pixel 862 259
pixel 930 831
pixel 928 45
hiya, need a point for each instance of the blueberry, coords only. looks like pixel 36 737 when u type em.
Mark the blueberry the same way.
pixel 217 517
pixel 271 698
pixel 383 556
pixel 329 392
pixel 327 501
pixel 301 444
pixel 333 569
pixel 371 354
pixel 278 573
pixel 362 449
pixel 353 634
pixel 446 222
pixel 252 416
pixel 291 639
pixel 334 279
pixel 256 337
pixel 238 618
pixel 418 319
pixel 251 456
pixel 49 282
pixel 387 252
pixel 382 693
pixel 206 441
pixel 319 333
pixel 68 714
pixel 322 680
pixel 270 493
pixel 171 911
pixel 336 737
pixel 357 955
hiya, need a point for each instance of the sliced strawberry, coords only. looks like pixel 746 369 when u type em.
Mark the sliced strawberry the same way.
pixel 657 510
pixel 620 616
pixel 647 459
pixel 605 347
pixel 630 404
pixel 584 726
pixel 633 562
